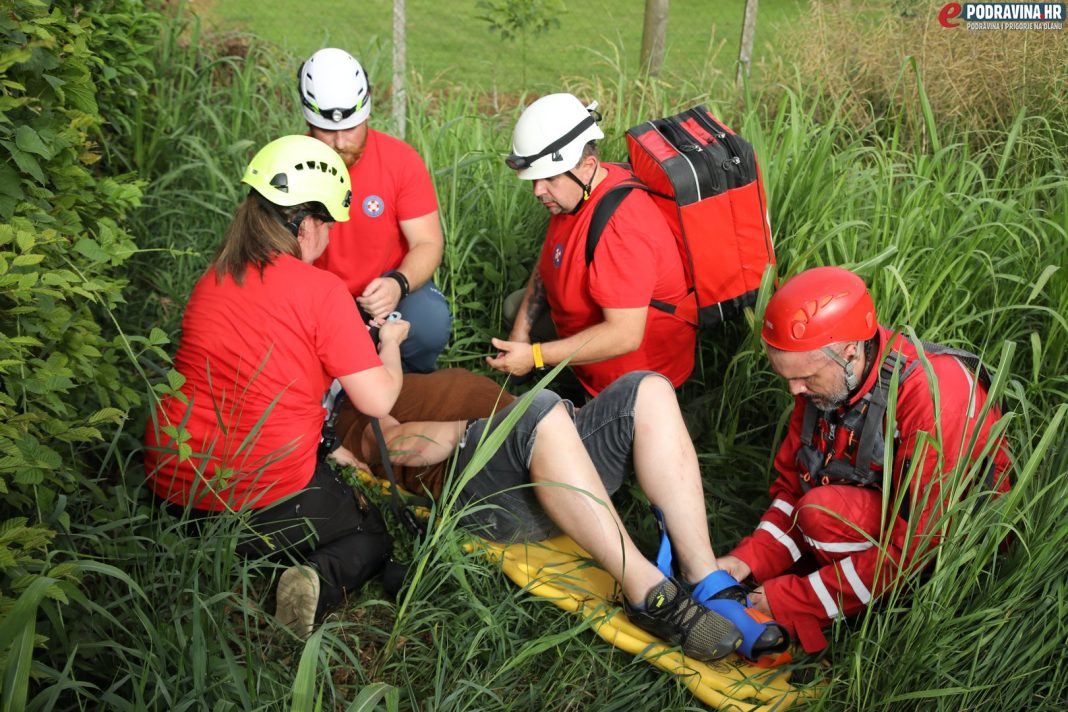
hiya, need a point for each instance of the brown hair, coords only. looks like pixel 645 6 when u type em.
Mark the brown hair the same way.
pixel 255 237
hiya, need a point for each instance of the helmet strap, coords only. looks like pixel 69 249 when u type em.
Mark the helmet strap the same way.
pixel 293 224
pixel 850 374
pixel 586 188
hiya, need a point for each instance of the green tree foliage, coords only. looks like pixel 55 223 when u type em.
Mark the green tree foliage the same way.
pixel 521 19
pixel 62 383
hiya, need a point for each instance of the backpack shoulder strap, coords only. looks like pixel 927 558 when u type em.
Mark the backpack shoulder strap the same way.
pixel 969 360
pixel 873 421
pixel 808 424
pixel 604 210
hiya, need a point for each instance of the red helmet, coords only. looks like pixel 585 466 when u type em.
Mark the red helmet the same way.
pixel 819 307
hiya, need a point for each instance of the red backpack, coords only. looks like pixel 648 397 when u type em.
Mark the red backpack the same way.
pixel 706 181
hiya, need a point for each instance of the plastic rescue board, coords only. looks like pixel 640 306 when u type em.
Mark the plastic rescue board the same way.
pixel 560 571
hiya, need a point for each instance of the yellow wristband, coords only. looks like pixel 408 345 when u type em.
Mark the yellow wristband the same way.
pixel 538 362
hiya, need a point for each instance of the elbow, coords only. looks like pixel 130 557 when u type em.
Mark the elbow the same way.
pixel 631 343
pixel 383 403
pixel 376 404
pixel 377 410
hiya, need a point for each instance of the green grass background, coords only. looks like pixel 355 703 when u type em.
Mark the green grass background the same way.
pixel 447 41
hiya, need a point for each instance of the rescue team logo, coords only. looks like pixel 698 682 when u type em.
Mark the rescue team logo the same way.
pixel 373 206
pixel 1003 15
pixel 558 256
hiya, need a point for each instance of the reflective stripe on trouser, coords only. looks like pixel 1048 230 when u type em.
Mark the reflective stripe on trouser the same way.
pixel 837 521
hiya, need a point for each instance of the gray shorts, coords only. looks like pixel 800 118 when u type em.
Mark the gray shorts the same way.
pixel 500 493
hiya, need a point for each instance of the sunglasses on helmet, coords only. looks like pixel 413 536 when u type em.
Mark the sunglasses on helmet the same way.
pixel 518 163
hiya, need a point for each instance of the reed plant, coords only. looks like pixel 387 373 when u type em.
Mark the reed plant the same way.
pixel 963 240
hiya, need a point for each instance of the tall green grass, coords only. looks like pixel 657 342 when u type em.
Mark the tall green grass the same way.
pixel 965 244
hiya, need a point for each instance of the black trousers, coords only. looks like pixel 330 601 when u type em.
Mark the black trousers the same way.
pixel 329 525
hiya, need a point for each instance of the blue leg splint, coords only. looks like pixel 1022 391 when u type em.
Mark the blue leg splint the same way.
pixel 722 593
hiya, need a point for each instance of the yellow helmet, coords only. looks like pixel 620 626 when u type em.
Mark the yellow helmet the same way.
pixel 300 169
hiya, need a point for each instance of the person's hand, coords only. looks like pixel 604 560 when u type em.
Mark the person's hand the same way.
pixel 381 297
pixel 391 331
pixel 515 358
pixel 346 457
pixel 734 566
pixel 759 601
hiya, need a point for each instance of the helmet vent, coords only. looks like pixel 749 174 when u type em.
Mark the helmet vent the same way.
pixel 280 182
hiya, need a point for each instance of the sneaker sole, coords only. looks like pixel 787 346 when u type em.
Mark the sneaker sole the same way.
pixel 297 597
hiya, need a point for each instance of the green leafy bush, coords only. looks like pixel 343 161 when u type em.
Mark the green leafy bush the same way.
pixel 63 370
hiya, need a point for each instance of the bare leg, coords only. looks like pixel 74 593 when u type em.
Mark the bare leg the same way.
pixel 666 466
pixel 559 458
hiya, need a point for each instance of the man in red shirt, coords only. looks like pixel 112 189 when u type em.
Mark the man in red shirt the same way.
pixel 821 335
pixel 388 250
pixel 601 312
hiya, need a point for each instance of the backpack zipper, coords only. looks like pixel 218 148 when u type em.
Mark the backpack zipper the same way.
pixel 682 152
pixel 686 142
pixel 722 135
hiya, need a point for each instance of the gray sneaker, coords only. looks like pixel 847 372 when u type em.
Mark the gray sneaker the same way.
pixel 673 615
pixel 297 598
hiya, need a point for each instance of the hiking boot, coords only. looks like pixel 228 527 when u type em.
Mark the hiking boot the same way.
pixel 297 599
pixel 673 615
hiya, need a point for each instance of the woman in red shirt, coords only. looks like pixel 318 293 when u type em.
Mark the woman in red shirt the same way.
pixel 263 335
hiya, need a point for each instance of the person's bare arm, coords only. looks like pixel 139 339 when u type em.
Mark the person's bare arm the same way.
pixel 373 391
pixel 426 244
pixel 620 333
pixel 417 444
pixel 534 302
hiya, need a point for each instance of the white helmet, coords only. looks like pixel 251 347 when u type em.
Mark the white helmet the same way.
pixel 549 136
pixel 334 91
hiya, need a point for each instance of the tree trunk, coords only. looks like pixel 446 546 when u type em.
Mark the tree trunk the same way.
pixel 745 50
pixel 654 36
pixel 400 46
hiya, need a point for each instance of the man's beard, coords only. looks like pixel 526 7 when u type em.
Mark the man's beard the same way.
pixel 350 157
pixel 831 401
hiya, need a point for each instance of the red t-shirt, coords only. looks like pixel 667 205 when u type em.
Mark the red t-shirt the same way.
pixel 256 357
pixel 636 261
pixel 390 183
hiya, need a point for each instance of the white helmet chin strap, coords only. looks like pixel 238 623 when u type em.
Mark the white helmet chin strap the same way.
pixel 847 366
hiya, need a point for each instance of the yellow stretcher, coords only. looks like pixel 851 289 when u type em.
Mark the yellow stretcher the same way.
pixel 560 571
